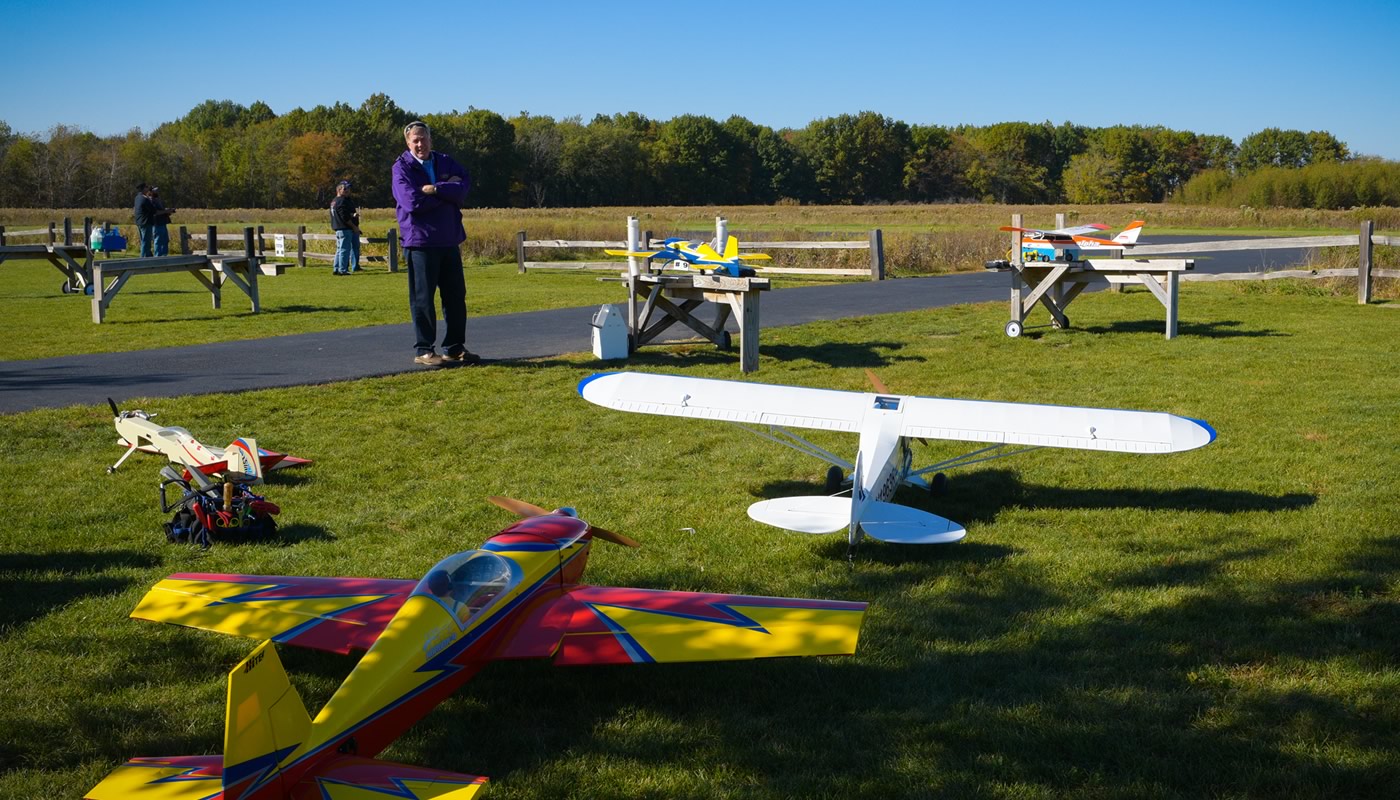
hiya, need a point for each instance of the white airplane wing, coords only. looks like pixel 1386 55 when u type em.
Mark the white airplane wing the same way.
pixel 1081 230
pixel 728 401
pixel 1053 426
pixel 924 417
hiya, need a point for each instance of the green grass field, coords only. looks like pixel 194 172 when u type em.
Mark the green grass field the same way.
pixel 1217 623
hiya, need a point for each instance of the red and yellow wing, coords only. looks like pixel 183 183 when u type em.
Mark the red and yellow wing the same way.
pixel 596 625
pixel 335 614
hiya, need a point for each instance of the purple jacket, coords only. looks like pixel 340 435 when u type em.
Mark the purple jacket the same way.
pixel 430 220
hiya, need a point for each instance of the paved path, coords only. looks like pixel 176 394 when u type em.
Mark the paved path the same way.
pixel 312 358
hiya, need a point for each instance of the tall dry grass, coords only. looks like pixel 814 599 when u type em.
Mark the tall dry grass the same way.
pixel 918 239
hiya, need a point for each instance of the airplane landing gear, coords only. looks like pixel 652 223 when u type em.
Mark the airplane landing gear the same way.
pixel 834 478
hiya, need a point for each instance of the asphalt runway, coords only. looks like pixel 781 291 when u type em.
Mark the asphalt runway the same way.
pixel 315 358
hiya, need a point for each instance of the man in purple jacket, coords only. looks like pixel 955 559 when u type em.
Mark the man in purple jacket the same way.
pixel 428 190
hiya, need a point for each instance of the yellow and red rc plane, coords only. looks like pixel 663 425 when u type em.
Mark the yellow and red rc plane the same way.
pixel 517 597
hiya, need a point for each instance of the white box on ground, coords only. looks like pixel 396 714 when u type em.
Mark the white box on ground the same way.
pixel 609 333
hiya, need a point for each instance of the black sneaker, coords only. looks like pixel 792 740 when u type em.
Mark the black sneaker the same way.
pixel 464 357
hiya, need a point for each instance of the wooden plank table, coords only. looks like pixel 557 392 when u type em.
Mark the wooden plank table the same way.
pixel 73 260
pixel 673 298
pixel 1055 284
pixel 241 270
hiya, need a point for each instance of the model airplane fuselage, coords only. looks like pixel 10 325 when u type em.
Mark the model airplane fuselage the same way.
pixel 202 465
pixel 1068 244
pixel 516 597
pixel 700 255
pixel 888 424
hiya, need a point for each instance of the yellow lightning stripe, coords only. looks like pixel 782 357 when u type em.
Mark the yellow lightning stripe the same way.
pixel 203 604
pixel 790 632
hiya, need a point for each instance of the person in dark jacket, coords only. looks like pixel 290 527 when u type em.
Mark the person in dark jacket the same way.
pixel 160 228
pixel 429 188
pixel 345 221
pixel 144 211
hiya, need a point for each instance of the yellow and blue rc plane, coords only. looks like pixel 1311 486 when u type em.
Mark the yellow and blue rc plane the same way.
pixel 517 597
pixel 700 255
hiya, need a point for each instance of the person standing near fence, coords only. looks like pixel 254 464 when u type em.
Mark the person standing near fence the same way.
pixel 429 188
pixel 345 221
pixel 145 213
pixel 161 232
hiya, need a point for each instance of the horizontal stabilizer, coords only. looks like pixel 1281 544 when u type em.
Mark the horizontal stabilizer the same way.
pixel 809 514
pixel 359 778
pixel 890 522
pixel 631 254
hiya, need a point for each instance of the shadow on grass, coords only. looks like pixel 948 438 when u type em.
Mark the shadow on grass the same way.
pixel 225 314
pixel 840 354
pixel 1221 329
pixel 37 583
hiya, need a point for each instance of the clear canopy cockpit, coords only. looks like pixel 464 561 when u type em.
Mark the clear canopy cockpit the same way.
pixel 467 583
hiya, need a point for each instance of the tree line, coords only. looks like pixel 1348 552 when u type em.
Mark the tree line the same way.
pixel 225 155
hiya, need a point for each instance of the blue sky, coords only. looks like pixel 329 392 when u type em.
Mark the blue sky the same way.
pixel 1229 68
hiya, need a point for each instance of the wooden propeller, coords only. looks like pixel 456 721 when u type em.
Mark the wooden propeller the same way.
pixel 520 508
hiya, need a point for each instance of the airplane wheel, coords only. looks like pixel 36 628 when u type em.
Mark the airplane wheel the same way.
pixel 1013 329
pixel 65 288
pixel 834 477
pixel 726 342
pixel 939 485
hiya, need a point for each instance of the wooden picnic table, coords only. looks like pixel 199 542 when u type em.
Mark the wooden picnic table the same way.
pixel 73 260
pixel 672 298
pixel 1055 284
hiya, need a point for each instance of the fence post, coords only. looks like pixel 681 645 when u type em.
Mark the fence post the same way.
pixel 393 249
pixel 646 245
pixel 877 255
pixel 2 235
pixel 184 241
pixel 1363 270
pixel 67 231
pixel 301 245
pixel 520 252
pixel 262 246
pixel 53 234
pixel 211 242
pixel 1016 272
pixel 250 252
pixel 87 232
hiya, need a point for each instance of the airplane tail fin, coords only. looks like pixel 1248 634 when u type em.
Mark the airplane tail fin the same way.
pixel 1130 234
pixel 265 721
pixel 244 463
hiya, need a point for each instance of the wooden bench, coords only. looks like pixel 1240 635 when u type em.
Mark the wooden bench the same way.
pixel 240 269
pixel 73 260
pixel 676 296
pixel 1055 284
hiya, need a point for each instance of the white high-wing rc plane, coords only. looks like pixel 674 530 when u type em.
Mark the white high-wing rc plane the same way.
pixel 887 424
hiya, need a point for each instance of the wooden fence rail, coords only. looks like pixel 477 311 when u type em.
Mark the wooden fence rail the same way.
pixel 1365 241
pixel 874 243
